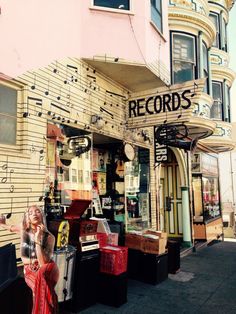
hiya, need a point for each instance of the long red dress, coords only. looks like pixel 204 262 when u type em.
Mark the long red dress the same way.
pixel 42 282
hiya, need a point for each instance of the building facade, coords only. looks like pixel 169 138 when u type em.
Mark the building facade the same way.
pixel 105 101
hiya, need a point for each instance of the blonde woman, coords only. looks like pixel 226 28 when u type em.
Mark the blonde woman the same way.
pixel 41 273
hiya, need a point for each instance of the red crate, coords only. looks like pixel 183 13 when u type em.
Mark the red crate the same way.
pixel 102 239
pixel 113 259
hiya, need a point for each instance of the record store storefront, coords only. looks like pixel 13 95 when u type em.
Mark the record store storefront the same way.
pixel 97 188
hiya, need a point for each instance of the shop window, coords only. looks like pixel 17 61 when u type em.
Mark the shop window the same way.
pixel 206 188
pixel 183 58
pixel 156 13
pixel 8 115
pixel 114 4
pixel 197 197
pixel 205 67
pixel 137 190
pixel 215 18
pixel 210 197
pixel 216 109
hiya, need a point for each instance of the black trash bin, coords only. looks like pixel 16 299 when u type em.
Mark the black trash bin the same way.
pixel 173 256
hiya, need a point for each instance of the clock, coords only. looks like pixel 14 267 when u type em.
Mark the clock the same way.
pixel 129 151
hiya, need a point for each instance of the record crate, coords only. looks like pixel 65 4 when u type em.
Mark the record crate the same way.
pixel 113 259
pixel 102 239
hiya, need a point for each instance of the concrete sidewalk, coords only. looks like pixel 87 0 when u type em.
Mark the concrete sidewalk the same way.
pixel 205 284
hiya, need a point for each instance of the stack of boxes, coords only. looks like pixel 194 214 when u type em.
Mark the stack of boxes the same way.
pixel 147 256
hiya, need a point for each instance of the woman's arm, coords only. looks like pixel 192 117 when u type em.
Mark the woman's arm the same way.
pixel 11 228
pixel 44 251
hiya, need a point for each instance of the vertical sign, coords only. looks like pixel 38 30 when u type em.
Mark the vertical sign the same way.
pixel 160 150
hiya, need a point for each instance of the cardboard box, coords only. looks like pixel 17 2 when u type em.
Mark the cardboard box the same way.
pixel 154 246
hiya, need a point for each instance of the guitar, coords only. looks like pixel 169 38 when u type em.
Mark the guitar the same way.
pixel 120 168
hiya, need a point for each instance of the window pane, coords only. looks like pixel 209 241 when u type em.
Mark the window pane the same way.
pixel 183 48
pixel 205 67
pixel 8 100
pixel 205 58
pixel 115 4
pixel 156 13
pixel 215 19
pixel 183 72
pixel 7 130
pixel 216 109
pixel 216 91
pixel 156 4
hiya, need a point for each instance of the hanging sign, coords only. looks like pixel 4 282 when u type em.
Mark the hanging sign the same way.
pixel 176 103
pixel 160 150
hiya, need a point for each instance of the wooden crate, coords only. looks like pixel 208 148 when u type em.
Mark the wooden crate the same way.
pixel 133 241
pixel 154 246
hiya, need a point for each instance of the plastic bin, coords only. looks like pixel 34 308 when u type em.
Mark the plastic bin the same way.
pixel 113 259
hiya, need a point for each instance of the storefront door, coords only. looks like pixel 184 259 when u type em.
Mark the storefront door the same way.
pixel 171 202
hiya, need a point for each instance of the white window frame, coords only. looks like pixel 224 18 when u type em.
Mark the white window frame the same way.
pixel 216 42
pixel 218 102
pixel 182 60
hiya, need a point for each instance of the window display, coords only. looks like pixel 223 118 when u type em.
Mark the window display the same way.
pixel 137 190
pixel 205 188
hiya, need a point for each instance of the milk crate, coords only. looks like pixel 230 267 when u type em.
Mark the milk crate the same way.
pixel 113 259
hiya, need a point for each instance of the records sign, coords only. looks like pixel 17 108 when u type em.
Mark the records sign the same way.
pixel 160 150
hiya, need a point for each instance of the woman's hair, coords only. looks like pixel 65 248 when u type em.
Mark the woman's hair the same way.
pixel 26 221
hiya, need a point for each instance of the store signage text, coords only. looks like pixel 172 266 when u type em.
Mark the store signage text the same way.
pixel 160 103
pixel 160 150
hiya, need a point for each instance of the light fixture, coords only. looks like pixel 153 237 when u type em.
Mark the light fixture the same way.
pixel 146 136
pixel 97 121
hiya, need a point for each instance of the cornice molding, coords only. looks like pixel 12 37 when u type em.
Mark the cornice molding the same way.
pixel 223 73
pixel 192 20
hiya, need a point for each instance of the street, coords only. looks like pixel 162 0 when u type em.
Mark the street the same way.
pixel 205 284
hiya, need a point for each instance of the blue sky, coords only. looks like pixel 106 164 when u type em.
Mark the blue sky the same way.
pixel 232 52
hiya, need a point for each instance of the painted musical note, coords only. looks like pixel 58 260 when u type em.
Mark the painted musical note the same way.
pixel 104 110
pixel 55 70
pixel 60 108
pixel 35 102
pixel 6 168
pixel 9 214
pixel 48 89
pixel 59 95
pixel 73 78
pixel 41 198
pixel 26 113
pixel 195 86
pixel 34 84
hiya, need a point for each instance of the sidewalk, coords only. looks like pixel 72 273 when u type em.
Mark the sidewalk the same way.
pixel 205 284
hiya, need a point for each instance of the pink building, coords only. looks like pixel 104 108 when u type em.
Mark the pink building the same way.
pixel 126 40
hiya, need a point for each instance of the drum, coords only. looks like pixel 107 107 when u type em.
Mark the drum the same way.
pixel 65 260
